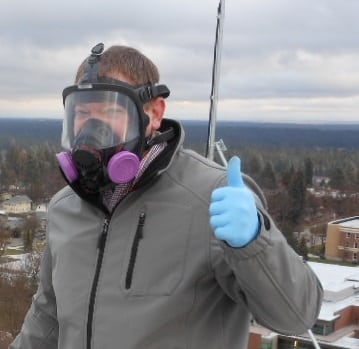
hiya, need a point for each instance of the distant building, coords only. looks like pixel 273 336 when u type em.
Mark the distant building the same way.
pixel 320 181
pixel 17 204
pixel 41 207
pixel 342 242
pixel 14 223
pixel 5 196
pixel 337 326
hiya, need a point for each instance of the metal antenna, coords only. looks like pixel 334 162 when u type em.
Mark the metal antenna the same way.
pixel 215 81
pixel 314 340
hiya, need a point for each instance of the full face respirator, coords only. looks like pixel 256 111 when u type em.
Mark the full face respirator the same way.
pixel 104 129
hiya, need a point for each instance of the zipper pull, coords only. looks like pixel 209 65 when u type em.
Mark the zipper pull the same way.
pixel 141 223
pixel 103 235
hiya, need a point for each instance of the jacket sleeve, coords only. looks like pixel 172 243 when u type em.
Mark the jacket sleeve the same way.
pixel 40 327
pixel 280 290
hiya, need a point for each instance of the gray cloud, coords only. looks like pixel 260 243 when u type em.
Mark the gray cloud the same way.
pixel 278 49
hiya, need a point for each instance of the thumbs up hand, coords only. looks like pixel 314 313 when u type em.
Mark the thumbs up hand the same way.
pixel 233 211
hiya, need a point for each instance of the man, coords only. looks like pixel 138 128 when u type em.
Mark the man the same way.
pixel 151 245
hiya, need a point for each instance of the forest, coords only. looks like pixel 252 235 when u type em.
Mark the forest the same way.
pixel 285 160
pixel 305 185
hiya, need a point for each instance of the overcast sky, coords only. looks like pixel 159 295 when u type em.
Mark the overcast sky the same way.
pixel 282 60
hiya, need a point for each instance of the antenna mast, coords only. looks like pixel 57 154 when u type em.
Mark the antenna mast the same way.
pixel 215 81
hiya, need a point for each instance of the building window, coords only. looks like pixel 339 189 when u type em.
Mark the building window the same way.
pixel 354 256
pixel 355 245
pixel 347 244
pixel 323 328
pixel 266 345
pixel 319 329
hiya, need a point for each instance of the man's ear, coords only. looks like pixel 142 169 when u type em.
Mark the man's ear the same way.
pixel 156 109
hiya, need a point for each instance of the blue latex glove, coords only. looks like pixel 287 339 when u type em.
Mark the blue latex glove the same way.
pixel 233 211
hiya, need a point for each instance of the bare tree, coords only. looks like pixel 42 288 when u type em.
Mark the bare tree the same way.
pixel 30 226
pixel 15 299
pixel 32 262
pixel 5 339
pixel 16 290
pixel 4 238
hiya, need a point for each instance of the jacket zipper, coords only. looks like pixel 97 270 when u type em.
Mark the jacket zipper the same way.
pixel 101 248
pixel 134 249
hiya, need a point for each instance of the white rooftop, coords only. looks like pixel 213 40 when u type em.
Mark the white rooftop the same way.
pixel 352 222
pixel 341 288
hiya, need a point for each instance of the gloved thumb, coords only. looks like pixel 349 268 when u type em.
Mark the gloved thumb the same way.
pixel 234 175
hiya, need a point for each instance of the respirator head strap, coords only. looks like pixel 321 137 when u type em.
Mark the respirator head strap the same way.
pixel 150 91
pixel 92 67
pixel 145 93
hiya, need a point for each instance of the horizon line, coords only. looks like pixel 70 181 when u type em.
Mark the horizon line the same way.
pixel 284 122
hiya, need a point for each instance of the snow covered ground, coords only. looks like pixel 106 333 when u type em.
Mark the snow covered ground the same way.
pixel 18 262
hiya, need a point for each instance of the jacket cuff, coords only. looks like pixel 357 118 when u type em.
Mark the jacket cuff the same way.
pixel 260 241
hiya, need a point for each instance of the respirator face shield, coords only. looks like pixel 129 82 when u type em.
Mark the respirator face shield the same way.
pixel 102 119
pixel 104 134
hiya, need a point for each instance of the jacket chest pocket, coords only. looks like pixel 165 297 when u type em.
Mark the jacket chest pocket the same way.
pixel 156 253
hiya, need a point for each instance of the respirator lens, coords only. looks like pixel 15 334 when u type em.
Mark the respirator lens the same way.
pixel 111 117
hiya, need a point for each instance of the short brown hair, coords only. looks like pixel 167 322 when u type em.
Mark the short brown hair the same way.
pixel 127 61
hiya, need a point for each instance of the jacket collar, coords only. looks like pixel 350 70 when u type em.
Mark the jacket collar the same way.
pixel 164 160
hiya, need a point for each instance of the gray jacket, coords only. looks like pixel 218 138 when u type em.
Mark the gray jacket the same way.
pixel 153 276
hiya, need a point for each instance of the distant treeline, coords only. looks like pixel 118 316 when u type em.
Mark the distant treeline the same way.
pixel 30 131
pixel 234 134
pixel 237 135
